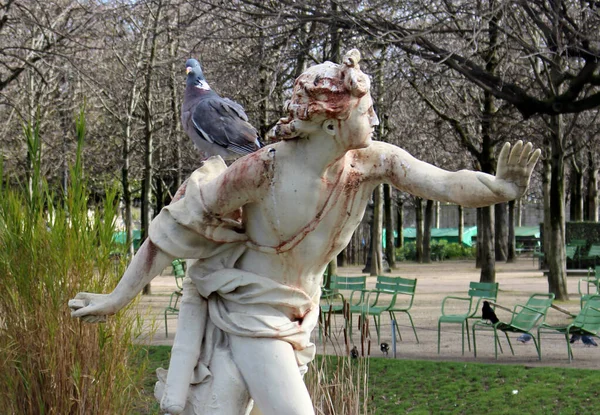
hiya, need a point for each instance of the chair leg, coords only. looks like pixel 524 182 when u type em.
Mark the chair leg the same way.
pixel 166 326
pixel 468 337
pixel 393 317
pixel 539 336
pixel 509 344
pixel 569 350
pixel 439 324
pixel 496 342
pixel 474 340
pixel 537 347
pixel 413 325
pixel 462 327
pixel 377 320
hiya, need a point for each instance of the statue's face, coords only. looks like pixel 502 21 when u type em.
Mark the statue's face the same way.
pixel 357 130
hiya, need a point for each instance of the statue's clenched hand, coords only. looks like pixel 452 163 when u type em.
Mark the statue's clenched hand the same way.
pixel 513 170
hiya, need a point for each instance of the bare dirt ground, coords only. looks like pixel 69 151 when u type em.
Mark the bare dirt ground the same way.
pixel 435 281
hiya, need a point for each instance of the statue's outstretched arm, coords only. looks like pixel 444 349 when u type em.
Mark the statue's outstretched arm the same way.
pixel 465 187
pixel 147 263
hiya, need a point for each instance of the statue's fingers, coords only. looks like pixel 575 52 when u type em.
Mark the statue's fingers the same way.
pixel 515 153
pixel 504 154
pixel 533 159
pixel 77 303
pixel 525 154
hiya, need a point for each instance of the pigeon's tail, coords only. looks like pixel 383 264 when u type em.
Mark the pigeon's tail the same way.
pixel 589 341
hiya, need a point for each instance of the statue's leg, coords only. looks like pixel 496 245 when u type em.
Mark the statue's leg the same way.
pixel 271 373
pixel 186 348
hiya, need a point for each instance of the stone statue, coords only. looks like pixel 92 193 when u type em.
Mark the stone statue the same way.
pixel 260 234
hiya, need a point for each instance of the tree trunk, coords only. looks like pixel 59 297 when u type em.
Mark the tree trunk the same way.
pixel 429 212
pixel 149 136
pixel 461 224
pixel 376 233
pixel 512 243
pixel 390 249
pixel 547 173
pixel 400 223
pixel 479 251
pixel 555 255
pixel 419 229
pixel 128 218
pixel 488 257
pixel 576 206
pixel 501 240
pixel 592 194
pixel 518 211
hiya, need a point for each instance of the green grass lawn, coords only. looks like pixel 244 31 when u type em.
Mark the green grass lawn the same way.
pixel 425 387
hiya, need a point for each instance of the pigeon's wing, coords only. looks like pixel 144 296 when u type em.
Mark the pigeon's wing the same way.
pixel 216 121
pixel 237 108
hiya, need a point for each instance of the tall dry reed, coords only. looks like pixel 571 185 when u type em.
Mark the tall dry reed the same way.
pixel 51 248
pixel 337 382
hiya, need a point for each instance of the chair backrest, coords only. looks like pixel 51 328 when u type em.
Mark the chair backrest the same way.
pixel 396 285
pixel 594 252
pixel 589 316
pixel 339 282
pixel 178 272
pixel 581 243
pixel 533 313
pixel 570 251
pixel 480 290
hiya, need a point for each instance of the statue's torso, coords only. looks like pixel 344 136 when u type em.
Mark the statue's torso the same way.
pixel 298 229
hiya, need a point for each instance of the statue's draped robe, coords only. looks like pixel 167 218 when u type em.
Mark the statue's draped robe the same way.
pixel 219 300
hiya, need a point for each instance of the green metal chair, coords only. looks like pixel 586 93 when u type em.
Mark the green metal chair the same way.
pixel 571 252
pixel 173 307
pixel 333 300
pixel 539 255
pixel 391 295
pixel 524 319
pixel 478 292
pixel 593 255
pixel 587 323
pixel 589 286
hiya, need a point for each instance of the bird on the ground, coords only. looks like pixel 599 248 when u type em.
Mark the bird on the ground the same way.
pixel 385 348
pixel 216 125
pixel 524 338
pixel 354 353
pixel 589 341
pixel 488 314
pixel 574 338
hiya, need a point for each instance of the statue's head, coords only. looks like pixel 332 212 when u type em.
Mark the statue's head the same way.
pixel 324 92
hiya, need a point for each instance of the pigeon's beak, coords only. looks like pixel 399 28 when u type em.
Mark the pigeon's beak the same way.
pixel 188 70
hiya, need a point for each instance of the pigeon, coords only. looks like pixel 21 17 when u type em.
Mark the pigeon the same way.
pixel 589 341
pixel 488 314
pixel 354 353
pixel 524 338
pixel 385 348
pixel 575 338
pixel 217 126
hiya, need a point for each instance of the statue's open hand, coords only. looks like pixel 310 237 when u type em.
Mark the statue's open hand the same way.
pixel 92 308
pixel 513 170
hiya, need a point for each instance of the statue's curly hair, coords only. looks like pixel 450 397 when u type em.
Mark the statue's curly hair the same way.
pixel 323 92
